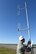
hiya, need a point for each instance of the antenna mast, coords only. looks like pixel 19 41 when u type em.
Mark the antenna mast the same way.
pixel 27 21
pixel 28 27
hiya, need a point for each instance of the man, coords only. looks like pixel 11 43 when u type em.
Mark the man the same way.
pixel 29 46
pixel 21 46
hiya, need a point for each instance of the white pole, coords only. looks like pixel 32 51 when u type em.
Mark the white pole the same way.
pixel 27 20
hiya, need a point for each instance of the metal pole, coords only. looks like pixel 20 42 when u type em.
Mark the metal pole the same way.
pixel 27 20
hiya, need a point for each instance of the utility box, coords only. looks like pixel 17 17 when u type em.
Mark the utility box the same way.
pixel 33 49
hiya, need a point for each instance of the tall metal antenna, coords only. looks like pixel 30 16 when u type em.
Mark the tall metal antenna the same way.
pixel 27 28
pixel 27 20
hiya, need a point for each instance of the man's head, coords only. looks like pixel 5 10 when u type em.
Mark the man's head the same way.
pixel 22 39
pixel 29 42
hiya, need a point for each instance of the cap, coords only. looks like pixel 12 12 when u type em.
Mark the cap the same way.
pixel 21 37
